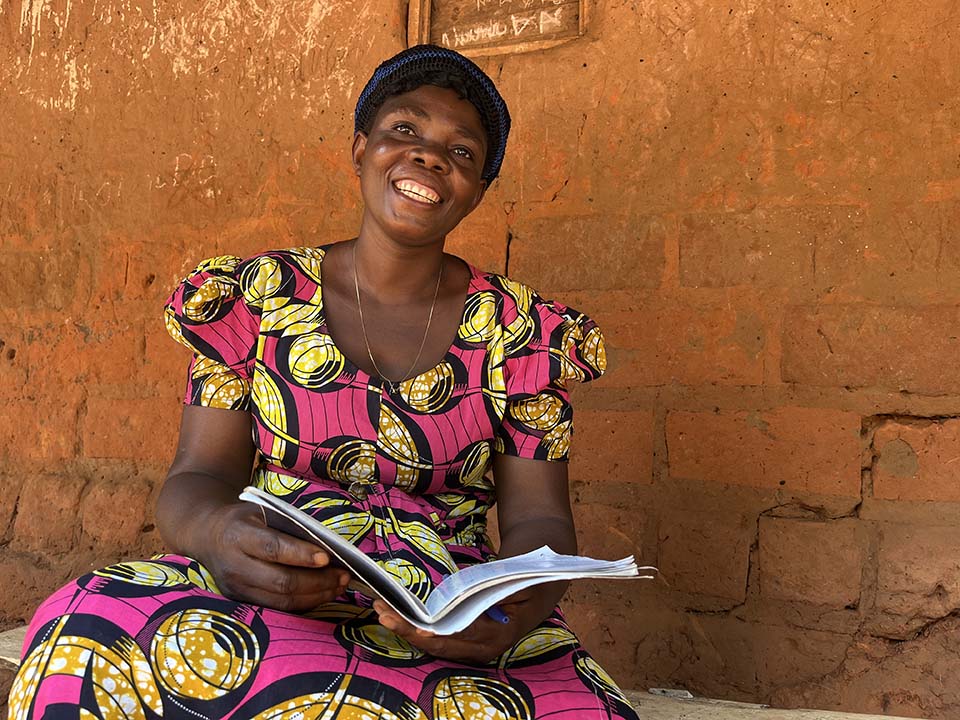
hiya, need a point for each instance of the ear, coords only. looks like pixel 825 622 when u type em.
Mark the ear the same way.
pixel 359 148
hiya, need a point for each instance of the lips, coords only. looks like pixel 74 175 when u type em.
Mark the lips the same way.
pixel 417 192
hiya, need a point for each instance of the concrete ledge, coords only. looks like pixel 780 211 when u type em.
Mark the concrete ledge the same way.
pixel 11 642
pixel 649 706
pixel 656 707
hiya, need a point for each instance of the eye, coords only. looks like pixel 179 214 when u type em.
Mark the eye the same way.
pixel 405 128
pixel 463 152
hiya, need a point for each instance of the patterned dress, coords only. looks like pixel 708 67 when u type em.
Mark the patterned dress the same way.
pixel 403 476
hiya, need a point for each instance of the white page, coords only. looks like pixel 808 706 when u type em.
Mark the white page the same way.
pixel 356 561
pixel 542 562
pixel 472 607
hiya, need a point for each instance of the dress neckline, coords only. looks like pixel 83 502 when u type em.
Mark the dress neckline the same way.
pixel 381 382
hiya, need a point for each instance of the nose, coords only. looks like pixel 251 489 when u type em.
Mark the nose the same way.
pixel 431 156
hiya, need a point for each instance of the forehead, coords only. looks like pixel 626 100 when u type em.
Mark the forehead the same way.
pixel 437 104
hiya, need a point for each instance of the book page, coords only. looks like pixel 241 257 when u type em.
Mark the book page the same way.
pixel 284 517
pixel 541 563
pixel 469 608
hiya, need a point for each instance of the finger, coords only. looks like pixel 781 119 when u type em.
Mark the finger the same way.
pixel 288 580
pixel 285 603
pixel 259 541
pixel 396 623
pixel 481 642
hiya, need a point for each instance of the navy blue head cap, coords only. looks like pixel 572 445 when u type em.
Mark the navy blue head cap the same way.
pixel 421 59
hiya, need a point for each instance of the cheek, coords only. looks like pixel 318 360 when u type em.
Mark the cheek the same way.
pixel 376 161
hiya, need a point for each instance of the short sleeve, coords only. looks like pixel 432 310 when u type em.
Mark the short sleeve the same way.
pixel 209 314
pixel 546 346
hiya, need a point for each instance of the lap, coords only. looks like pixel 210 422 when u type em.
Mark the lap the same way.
pixel 152 638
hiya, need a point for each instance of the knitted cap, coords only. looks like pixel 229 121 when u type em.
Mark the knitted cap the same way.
pixel 420 59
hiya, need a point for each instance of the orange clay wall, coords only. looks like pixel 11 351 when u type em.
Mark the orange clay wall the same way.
pixel 758 201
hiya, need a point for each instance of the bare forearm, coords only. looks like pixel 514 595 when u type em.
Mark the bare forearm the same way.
pixel 556 532
pixel 184 508
pixel 214 459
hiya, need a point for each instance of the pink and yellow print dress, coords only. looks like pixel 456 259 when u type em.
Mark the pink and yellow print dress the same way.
pixel 403 475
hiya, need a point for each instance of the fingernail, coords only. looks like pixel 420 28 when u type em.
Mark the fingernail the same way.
pixel 320 558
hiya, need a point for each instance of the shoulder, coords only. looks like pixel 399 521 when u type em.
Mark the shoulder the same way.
pixel 524 308
pixel 258 277
pixel 297 259
pixel 265 267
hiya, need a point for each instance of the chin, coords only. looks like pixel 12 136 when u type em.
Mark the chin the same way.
pixel 405 230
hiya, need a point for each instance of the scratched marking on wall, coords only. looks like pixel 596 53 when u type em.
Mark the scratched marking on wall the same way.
pixel 464 24
pixel 55 39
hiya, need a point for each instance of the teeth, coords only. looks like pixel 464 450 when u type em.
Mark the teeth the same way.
pixel 417 192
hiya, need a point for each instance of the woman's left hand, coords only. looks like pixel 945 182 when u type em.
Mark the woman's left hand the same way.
pixel 485 639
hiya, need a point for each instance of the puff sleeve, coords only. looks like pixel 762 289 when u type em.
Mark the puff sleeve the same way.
pixel 546 346
pixel 209 314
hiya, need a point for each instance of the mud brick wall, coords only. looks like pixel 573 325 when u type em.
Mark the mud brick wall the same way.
pixel 759 202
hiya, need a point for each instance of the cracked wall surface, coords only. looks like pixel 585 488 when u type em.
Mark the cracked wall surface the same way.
pixel 758 202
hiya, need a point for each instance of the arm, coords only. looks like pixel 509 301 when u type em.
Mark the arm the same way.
pixel 534 510
pixel 199 515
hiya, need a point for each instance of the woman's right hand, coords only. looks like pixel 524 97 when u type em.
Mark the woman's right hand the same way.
pixel 199 516
pixel 257 564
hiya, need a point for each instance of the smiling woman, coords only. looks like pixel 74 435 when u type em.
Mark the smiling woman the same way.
pixel 394 392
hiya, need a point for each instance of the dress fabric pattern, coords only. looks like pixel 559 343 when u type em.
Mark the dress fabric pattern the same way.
pixel 403 476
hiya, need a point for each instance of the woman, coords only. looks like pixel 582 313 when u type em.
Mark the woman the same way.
pixel 373 383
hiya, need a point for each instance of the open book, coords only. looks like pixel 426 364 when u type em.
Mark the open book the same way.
pixel 463 596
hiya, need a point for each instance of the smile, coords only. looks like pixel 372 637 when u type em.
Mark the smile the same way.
pixel 417 192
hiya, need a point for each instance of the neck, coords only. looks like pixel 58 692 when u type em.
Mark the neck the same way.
pixel 392 273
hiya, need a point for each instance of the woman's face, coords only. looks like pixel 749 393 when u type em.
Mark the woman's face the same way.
pixel 420 165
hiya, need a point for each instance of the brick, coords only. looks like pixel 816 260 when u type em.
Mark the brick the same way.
pixel 53 352
pixel 705 553
pixel 765 247
pixel 26 584
pixel 165 361
pixel 53 280
pixel 609 532
pixel 30 281
pixel 612 445
pixel 75 352
pixel 13 369
pixel 811 562
pixel 801 655
pixel 604 615
pixel 481 239
pixel 653 342
pixel 560 253
pixel 917 461
pixel 137 275
pixel 47 517
pixel 905 250
pixel 890 679
pixel 802 450
pixel 918 571
pixel 908 349
pixel 101 501
pixel 755 656
pixel 42 427
pixel 134 428
pixel 725 653
pixel 10 484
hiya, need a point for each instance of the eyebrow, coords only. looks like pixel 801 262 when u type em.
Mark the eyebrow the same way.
pixel 421 113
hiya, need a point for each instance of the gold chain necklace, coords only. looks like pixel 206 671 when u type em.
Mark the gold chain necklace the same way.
pixel 393 387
